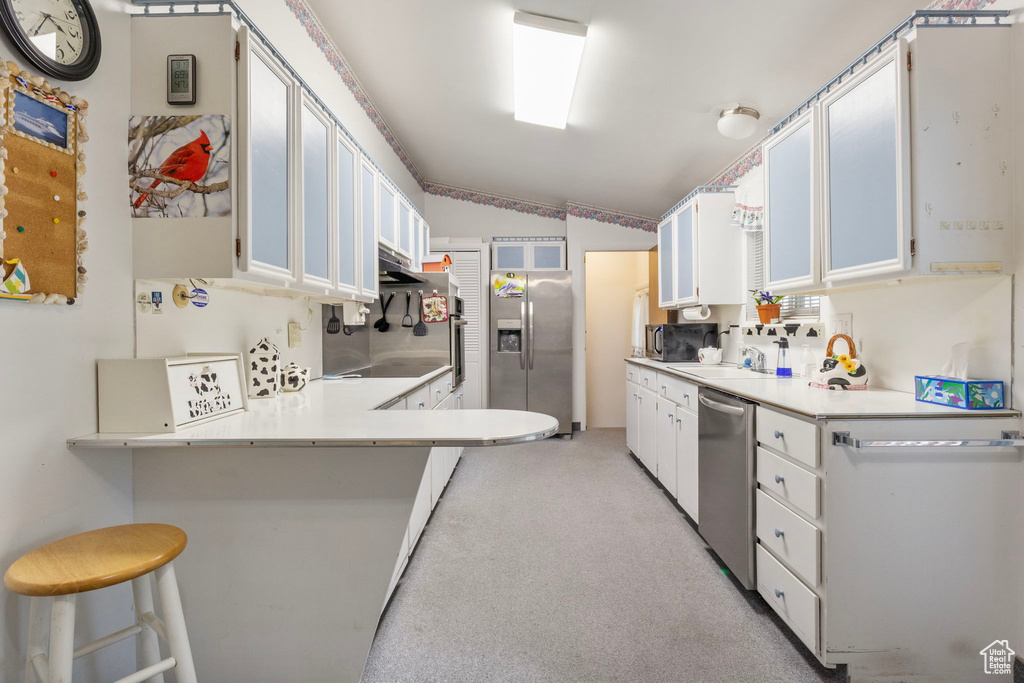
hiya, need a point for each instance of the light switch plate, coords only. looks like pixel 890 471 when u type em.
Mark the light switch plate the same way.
pixel 841 323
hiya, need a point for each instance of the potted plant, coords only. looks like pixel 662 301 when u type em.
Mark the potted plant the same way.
pixel 768 308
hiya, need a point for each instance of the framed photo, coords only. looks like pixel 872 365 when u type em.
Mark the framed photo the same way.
pixel 41 120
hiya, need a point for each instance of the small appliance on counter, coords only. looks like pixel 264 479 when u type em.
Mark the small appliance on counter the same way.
pixel 679 342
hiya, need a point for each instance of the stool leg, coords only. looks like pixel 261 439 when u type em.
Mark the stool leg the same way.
pixel 38 628
pixel 174 623
pixel 147 647
pixel 62 638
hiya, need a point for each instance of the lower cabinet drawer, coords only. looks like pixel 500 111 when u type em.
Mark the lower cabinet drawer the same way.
pixel 795 603
pixel 632 373
pixel 419 399
pixel 791 538
pixel 439 389
pixel 649 379
pixel 678 390
pixel 792 483
pixel 788 435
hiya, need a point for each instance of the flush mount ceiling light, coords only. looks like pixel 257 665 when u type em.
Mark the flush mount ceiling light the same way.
pixel 546 60
pixel 738 123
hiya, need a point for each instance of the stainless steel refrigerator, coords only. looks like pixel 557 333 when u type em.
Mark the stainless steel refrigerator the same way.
pixel 531 343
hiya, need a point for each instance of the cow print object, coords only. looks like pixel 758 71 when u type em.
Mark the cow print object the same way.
pixel 264 359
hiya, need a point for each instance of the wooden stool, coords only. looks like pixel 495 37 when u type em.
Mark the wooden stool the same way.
pixel 97 559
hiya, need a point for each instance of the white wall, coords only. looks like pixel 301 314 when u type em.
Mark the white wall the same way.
pixel 455 218
pixel 612 278
pixel 48 372
pixel 279 24
pixel 583 235
pixel 231 323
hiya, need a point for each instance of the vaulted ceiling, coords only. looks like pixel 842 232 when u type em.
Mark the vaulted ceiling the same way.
pixel 655 74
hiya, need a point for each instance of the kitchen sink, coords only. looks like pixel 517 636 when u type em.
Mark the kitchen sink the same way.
pixel 719 372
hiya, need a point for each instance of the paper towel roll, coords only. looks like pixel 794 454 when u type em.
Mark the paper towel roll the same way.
pixel 696 313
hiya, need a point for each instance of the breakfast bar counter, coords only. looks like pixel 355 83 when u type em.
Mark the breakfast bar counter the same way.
pixel 296 511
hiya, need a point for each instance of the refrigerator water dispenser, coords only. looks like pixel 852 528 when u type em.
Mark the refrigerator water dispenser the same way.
pixel 510 336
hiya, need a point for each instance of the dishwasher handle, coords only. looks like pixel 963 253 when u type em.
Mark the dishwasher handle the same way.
pixel 721 407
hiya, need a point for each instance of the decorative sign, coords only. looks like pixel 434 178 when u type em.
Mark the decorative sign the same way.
pixel 509 286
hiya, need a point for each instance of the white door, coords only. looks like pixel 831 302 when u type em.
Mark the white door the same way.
pixel 632 418
pixel 648 430
pixel 666 437
pixel 467 267
pixel 686 461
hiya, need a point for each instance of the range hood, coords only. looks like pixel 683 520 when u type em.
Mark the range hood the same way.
pixel 394 269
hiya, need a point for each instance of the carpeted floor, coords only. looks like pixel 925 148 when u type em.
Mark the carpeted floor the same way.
pixel 562 561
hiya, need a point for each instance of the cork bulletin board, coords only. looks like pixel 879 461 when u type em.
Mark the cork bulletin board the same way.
pixel 42 238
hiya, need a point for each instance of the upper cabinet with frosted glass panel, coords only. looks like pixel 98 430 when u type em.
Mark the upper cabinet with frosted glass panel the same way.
pixel 266 103
pixel 699 253
pixel 865 163
pixel 388 207
pixel 346 162
pixel 791 205
pixel 369 226
pixel 317 138
pixel 528 255
pixel 856 193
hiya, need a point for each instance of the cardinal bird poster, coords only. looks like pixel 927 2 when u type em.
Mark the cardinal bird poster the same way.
pixel 179 166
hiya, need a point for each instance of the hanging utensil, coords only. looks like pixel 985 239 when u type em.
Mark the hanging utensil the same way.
pixel 383 325
pixel 333 325
pixel 420 330
pixel 407 320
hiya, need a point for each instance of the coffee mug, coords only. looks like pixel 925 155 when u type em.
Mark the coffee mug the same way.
pixel 709 355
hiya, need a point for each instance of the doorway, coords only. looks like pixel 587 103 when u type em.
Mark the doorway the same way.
pixel 613 281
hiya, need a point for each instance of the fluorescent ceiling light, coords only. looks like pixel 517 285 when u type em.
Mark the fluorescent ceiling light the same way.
pixel 546 60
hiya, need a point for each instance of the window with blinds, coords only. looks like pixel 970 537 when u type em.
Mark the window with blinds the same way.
pixel 794 305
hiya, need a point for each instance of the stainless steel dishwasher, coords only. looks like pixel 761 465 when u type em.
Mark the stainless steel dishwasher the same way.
pixel 725 448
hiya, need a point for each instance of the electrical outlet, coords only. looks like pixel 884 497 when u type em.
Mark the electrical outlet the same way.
pixel 841 323
pixel 294 335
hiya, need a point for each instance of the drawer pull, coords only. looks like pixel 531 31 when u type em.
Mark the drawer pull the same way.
pixel 779 594
pixel 686 397
pixel 422 404
pixel 679 420
pixel 1010 439
pixel 779 532
pixel 778 434
pixel 670 416
pixel 664 388
pixel 779 479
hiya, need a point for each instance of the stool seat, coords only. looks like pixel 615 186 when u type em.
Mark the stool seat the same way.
pixel 95 559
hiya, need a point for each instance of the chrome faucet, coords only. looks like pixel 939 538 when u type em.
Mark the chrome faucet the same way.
pixel 758 361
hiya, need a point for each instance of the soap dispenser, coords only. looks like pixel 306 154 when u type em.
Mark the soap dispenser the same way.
pixel 782 367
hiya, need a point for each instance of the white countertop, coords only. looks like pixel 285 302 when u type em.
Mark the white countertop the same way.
pixel 795 395
pixel 332 413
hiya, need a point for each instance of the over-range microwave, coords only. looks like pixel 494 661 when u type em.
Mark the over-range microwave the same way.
pixel 679 342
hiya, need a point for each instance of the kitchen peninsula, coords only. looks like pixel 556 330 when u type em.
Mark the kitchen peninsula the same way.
pixel 295 512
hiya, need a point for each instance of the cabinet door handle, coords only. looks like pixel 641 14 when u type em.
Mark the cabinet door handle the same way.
pixel 664 388
pixel 779 479
pixel 778 434
pixel 779 594
pixel 422 404
pixel 686 397
pixel 779 533
pixel 670 416
pixel 679 420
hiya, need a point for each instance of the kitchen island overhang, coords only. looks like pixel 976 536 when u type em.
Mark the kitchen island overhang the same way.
pixel 294 522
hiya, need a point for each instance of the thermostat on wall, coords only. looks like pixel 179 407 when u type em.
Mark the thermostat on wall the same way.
pixel 181 79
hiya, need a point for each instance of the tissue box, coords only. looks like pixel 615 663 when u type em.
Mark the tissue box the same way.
pixel 970 394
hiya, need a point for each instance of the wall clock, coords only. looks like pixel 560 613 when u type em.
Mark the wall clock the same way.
pixel 60 37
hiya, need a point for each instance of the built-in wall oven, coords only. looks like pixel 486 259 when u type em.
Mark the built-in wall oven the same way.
pixel 458 335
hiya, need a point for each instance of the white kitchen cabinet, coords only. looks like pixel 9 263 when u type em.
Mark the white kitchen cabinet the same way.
pixel 439 458
pixel 666 263
pixel 685 240
pixel 369 226
pixel 686 461
pixel 346 211
pixel 405 226
pixel 865 164
pixel 266 105
pixel 647 434
pixel 633 417
pixel 387 202
pixel 316 136
pixel 666 444
pixel 699 254
pixel 528 255
pixel 792 225
pixel 417 243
